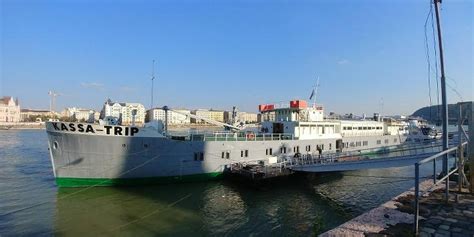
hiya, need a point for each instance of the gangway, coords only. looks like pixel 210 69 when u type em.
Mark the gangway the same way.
pixel 398 157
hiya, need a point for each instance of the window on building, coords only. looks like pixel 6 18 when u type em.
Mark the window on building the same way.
pixel 227 155
pixel 223 155
pixel 330 146
pixel 246 153
pixel 379 142
pixel 386 141
pixel 308 148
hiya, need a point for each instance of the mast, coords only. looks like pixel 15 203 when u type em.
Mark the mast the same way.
pixel 444 107
pixel 152 80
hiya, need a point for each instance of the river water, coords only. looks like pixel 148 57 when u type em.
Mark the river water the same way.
pixel 300 205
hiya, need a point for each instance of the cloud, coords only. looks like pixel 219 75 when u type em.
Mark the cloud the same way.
pixel 92 85
pixel 343 61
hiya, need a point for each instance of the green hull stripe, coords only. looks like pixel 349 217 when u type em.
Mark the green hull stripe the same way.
pixel 84 182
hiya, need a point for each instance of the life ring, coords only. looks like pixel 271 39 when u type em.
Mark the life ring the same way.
pixel 250 136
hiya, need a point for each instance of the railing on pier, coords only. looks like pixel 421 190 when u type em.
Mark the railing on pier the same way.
pixel 457 149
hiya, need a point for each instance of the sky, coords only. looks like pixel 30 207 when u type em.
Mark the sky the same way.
pixel 370 55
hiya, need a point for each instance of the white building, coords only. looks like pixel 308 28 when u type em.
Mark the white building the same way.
pixel 203 113
pixel 9 110
pixel 158 114
pixel 32 115
pixel 126 113
pixel 80 114
pixel 248 117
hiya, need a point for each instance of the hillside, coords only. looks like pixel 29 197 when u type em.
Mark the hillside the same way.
pixel 433 113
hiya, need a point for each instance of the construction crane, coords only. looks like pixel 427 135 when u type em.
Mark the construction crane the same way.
pixel 52 100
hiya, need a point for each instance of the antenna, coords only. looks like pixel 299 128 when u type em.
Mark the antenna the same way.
pixel 152 80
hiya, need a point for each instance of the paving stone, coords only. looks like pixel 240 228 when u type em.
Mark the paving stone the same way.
pixel 424 234
pixel 460 235
pixel 444 227
pixel 434 221
pixel 443 232
pixel 467 212
pixel 451 220
pixel 428 230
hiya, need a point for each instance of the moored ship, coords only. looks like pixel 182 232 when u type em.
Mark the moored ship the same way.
pixel 92 154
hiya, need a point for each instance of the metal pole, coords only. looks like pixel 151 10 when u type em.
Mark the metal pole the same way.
pixel 152 82
pixel 165 108
pixel 461 151
pixel 444 107
pixel 417 190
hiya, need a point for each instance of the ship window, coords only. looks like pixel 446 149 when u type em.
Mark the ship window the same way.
pixel 242 153
pixel 330 146
pixel 379 142
pixel 308 148
pixel 223 155
pixel 322 147
pixel 370 128
pixel 386 141
pixel 195 156
pixel 296 149
pixel 269 151
pixel 227 155
pixel 360 128
pixel 365 143
pixel 201 156
pixel 246 153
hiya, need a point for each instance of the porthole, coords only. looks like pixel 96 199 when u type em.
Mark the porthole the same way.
pixel 123 145
pixel 55 145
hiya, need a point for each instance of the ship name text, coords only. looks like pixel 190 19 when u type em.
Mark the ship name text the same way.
pixel 87 128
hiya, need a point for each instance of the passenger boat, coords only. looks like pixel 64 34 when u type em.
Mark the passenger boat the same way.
pixel 106 154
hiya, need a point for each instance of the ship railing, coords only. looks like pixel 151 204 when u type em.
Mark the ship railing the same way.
pixel 222 136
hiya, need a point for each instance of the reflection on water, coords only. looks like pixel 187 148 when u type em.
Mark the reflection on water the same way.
pixel 291 206
pixel 211 209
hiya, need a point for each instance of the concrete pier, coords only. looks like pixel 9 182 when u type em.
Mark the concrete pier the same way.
pixel 379 219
